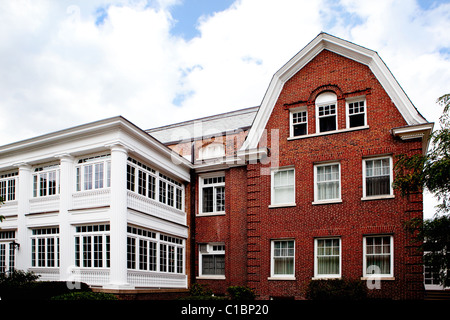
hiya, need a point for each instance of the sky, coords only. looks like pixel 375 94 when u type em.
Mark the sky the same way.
pixel 65 63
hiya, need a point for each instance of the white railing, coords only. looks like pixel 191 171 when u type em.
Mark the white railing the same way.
pixel 143 204
pixel 156 279
pixel 93 277
pixel 91 198
pixel 44 204
pixel 46 274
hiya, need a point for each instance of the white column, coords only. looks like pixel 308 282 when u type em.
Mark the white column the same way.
pixel 66 243
pixel 118 218
pixel 23 195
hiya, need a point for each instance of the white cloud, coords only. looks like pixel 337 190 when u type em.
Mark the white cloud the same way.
pixel 66 63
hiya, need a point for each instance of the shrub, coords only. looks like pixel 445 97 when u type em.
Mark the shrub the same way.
pixel 336 289
pixel 241 293
pixel 85 296
pixel 201 292
pixel 20 285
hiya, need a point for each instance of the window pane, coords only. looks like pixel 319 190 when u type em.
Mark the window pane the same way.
pixel 378 257
pixel 220 198
pixel 283 187
pixel 328 182
pixel 328 259
pixel 208 204
pixel 378 181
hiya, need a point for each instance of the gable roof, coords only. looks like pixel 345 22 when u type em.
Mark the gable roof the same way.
pixel 203 127
pixel 344 48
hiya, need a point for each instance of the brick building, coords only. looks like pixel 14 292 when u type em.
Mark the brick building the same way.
pixel 297 189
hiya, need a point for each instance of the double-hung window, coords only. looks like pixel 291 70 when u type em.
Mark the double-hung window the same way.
pixel 92 246
pixel 283 258
pixel 378 256
pixel 212 194
pixel 326 111
pixel 212 259
pixel 298 122
pixel 377 175
pixel 46 181
pixel 152 184
pixel 7 251
pixel 8 183
pixel 283 186
pixel 327 258
pixel 45 247
pixel 93 173
pixel 327 182
pixel 356 113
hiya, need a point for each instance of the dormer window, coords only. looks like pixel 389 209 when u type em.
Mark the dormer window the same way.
pixel 212 150
pixel 326 110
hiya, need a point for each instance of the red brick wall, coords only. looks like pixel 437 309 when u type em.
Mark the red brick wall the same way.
pixel 249 224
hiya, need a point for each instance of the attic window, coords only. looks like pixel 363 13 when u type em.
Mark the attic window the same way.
pixel 213 150
pixel 326 110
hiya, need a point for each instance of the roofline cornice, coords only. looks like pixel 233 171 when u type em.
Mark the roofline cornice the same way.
pixel 344 48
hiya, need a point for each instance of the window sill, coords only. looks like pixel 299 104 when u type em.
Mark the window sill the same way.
pixel 282 205
pixel 327 202
pixel 378 277
pixel 210 277
pixel 275 278
pixel 326 277
pixel 389 196
pixel 209 214
pixel 327 133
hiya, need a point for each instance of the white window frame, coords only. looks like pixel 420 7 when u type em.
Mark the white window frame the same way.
pixel 316 191
pixel 274 171
pixel 391 177
pixel 39 172
pixel 391 255
pixel 316 260
pixel 210 249
pixel 202 178
pixel 287 276
pixel 347 110
pixel 50 248
pixel 291 121
pixel 152 184
pixel 9 186
pixel 7 250
pixel 323 100
pixel 80 177
pixel 91 232
pixel 212 151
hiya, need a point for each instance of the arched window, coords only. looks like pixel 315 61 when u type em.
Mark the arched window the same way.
pixel 212 150
pixel 326 111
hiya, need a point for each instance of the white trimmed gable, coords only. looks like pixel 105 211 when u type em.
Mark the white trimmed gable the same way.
pixel 344 48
